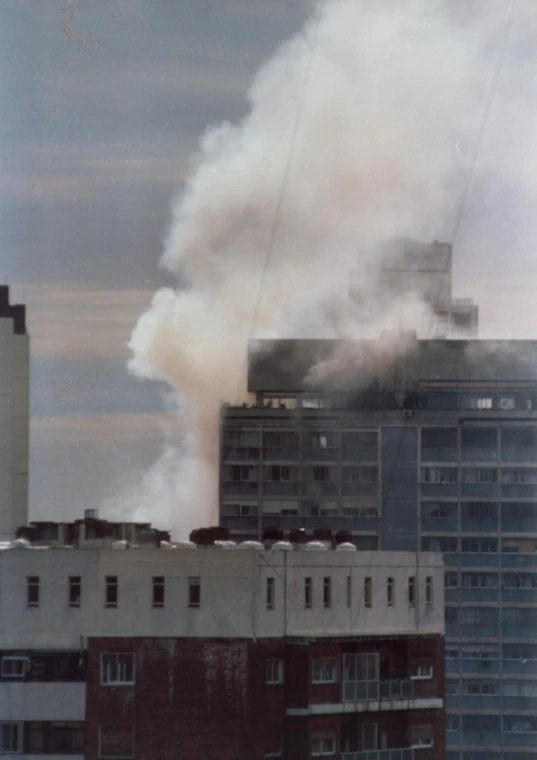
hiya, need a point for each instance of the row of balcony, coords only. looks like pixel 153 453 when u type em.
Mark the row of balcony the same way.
pixel 484 455
pixel 271 454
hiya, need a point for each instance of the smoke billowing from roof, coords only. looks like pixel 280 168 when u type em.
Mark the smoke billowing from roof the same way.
pixel 352 138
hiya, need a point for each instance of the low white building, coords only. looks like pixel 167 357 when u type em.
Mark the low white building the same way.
pixel 53 599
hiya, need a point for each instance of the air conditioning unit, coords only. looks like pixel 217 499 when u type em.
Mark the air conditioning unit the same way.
pixel 408 413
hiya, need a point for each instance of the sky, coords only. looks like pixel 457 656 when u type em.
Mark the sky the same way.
pixel 103 104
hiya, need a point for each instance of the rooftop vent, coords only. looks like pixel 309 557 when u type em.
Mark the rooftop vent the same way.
pixel 315 546
pixel 346 546
pixel 282 545
pixel 298 536
pixel 257 545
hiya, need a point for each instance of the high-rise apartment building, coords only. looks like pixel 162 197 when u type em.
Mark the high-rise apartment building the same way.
pixel 412 444
pixel 139 648
pixel 14 416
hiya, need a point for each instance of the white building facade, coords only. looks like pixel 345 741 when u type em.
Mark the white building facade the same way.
pixel 14 416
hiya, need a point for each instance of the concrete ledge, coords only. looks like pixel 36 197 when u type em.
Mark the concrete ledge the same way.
pixel 384 705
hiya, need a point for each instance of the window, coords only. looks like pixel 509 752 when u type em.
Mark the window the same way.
pixel 520 475
pixel 421 671
pixel 429 591
pixel 368 591
pixel 75 590
pixel 321 474
pixel 324 670
pixel 33 591
pixel 111 591
pixel 519 580
pixel 452 688
pixel 440 510
pixel 479 438
pixel 390 592
pixel 480 651
pixel 116 742
pixel 412 591
pixel 479 580
pixel 481 688
pixel 276 473
pixel 451 614
pixel 62 737
pixel 451 580
pixel 479 510
pixel 439 474
pixel 274 751
pixel 360 474
pixel 479 475
pixel 479 545
pixel 15 666
pixel 445 544
pixel 443 438
pixel 158 591
pixel 452 722
pixel 10 736
pixel 271 594
pixel 274 671
pixel 241 473
pixel 520 724
pixel 323 745
pixel 308 593
pixel 476 402
pixel 349 590
pixel 421 736
pixel 194 591
pixel 327 593
pixel 519 545
pixel 117 669
pixel 322 440
pixel 479 615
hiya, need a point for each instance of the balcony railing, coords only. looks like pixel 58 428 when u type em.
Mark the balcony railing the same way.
pixel 360 691
pixel 406 753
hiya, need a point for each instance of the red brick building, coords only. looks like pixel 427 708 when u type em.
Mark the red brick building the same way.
pixel 232 699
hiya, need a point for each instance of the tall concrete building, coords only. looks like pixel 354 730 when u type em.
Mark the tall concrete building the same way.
pixel 412 444
pixel 139 648
pixel 14 416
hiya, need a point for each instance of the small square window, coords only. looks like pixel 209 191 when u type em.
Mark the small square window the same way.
pixel 15 667
pixel 117 669
pixel 421 671
pixel 324 670
pixel 274 671
pixel 429 591
pixel 323 745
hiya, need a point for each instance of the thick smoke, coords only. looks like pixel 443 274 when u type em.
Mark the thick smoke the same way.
pixel 353 137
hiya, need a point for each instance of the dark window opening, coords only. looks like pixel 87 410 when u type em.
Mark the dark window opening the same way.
pixel 111 591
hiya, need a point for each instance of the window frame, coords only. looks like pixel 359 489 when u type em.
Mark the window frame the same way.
pixel 158 584
pixel 411 591
pixel 33 585
pixel 103 668
pixel 390 591
pixel 15 658
pixel 270 593
pixel 368 592
pixel 322 662
pixel 277 678
pixel 194 600
pixel 111 582
pixel 327 592
pixel 322 752
pixel 73 601
pixel 421 671
pixel 19 738
pixel 308 592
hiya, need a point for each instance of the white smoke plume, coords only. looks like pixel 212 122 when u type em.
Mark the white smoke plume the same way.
pixel 353 137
